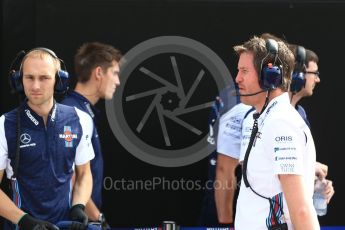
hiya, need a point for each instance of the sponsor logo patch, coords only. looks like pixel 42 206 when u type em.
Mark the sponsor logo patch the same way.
pixel 32 118
pixel 68 135
pixel 283 139
pixel 276 149
pixel 287 167
pixel 285 158
pixel 25 139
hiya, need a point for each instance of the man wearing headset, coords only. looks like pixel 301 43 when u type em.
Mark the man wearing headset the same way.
pixel 303 86
pixel 40 155
pixel 97 69
pixel 227 162
pixel 279 163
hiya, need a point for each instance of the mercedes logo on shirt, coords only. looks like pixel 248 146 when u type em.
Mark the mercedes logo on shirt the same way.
pixel 25 138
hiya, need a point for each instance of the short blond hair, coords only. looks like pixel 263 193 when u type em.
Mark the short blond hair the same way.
pixel 43 53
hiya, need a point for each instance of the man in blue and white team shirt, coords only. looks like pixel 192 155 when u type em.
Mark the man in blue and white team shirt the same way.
pixel 54 141
pixel 280 165
pixel 97 69
pixel 225 118
pixel 228 149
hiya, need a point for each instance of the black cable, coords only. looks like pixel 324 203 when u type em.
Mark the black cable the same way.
pixel 18 129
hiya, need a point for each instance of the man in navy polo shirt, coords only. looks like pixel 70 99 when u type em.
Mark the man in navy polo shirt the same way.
pixel 97 69
pixel 54 141
pixel 304 87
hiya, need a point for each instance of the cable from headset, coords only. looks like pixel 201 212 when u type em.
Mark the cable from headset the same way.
pixel 18 134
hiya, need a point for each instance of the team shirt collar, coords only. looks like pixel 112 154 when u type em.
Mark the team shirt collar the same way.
pixel 283 98
pixel 31 117
pixel 91 109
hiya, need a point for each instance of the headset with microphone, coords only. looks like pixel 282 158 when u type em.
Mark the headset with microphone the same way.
pixel 235 93
pixel 271 75
pixel 16 72
pixel 298 79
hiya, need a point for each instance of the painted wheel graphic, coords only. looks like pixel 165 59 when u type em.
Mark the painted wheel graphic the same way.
pixel 160 111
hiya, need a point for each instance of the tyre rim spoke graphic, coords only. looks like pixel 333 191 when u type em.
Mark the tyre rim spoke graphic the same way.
pixel 181 109
pixel 170 101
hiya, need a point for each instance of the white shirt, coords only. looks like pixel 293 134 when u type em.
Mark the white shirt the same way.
pixel 84 151
pixel 247 125
pixel 283 145
pixel 229 132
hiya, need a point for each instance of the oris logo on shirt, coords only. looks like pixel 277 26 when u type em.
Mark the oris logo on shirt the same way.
pixel 283 138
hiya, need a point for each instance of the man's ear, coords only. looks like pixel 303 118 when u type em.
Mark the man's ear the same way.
pixel 98 72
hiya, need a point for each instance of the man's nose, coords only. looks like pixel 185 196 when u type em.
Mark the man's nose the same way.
pixel 36 85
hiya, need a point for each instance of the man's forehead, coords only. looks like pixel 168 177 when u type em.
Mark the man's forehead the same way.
pixel 39 65
pixel 246 60
pixel 114 63
pixel 44 59
pixel 312 65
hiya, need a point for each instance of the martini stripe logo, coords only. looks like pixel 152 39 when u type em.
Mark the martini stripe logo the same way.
pixel 68 136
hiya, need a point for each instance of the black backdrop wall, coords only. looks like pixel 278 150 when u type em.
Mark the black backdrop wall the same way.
pixel 64 25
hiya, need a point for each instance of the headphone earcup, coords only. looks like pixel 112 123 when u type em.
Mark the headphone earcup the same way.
pixel 297 82
pixel 62 82
pixel 16 82
pixel 271 77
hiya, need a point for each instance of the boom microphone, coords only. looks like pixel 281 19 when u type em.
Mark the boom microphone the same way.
pixel 235 93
